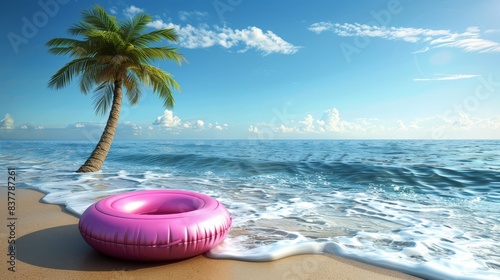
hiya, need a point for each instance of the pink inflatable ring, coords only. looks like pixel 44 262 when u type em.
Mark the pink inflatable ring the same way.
pixel 155 225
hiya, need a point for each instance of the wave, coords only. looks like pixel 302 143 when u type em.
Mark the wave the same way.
pixel 422 178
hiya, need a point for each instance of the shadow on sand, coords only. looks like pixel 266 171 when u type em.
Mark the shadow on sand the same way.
pixel 63 248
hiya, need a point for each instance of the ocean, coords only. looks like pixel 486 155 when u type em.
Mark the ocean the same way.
pixel 427 208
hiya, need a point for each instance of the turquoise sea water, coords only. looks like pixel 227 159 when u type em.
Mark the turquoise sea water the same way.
pixel 428 208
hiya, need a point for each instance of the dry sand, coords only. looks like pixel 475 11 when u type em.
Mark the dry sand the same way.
pixel 49 246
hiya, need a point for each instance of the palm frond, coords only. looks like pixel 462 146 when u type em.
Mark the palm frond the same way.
pixel 105 37
pixel 162 53
pixel 156 36
pixel 71 51
pixel 100 20
pixel 80 28
pixel 132 28
pixel 92 76
pixel 160 81
pixel 103 98
pixel 65 46
pixel 134 91
pixel 64 75
pixel 62 42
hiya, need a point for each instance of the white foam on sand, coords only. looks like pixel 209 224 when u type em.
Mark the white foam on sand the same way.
pixel 465 268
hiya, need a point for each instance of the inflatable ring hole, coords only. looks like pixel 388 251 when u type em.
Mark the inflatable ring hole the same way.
pixel 161 204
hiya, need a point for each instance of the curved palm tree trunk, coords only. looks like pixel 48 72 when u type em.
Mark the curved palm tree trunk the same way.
pixel 94 162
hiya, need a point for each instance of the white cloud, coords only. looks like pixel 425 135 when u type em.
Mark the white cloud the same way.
pixel 113 10
pixel 446 78
pixel 401 125
pixel 412 35
pixel 94 129
pixel 220 127
pixel 492 31
pixel 200 124
pixel 7 122
pixel 185 16
pixel 330 122
pixel 87 125
pixel 457 125
pixel 31 126
pixel 308 123
pixel 491 123
pixel 464 120
pixel 468 41
pixel 320 27
pixel 134 128
pixel 132 11
pixel 254 129
pixel 159 24
pixel 421 50
pixel 285 129
pixel 249 38
pixel 167 120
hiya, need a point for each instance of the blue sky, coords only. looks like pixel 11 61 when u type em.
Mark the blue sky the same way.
pixel 259 69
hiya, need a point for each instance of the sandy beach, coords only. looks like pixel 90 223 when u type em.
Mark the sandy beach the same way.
pixel 49 246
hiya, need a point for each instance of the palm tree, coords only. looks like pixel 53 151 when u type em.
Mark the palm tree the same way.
pixel 108 56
